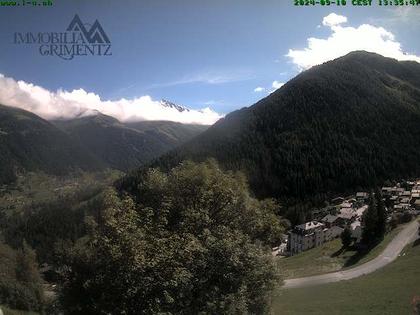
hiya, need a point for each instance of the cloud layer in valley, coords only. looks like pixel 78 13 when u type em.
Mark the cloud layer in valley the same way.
pixel 345 39
pixel 66 105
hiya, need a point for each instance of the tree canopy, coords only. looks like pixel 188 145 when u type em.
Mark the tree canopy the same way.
pixel 20 282
pixel 191 241
pixel 331 129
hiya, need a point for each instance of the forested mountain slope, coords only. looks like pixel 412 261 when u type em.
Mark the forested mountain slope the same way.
pixel 28 142
pixel 126 146
pixel 348 123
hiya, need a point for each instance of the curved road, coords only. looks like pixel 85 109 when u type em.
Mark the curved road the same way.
pixel 407 235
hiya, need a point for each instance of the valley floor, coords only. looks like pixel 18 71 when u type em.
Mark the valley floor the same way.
pixel 329 257
pixel 389 290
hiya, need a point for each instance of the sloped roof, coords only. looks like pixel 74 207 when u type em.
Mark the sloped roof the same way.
pixel 329 218
pixel 310 225
pixel 361 210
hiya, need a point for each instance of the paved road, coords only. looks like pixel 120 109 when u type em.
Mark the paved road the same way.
pixel 407 235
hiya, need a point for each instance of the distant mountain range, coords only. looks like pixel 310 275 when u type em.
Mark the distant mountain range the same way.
pixel 89 143
pixel 352 122
pixel 124 146
pixel 28 142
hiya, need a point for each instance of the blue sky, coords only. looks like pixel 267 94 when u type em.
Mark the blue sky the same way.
pixel 195 53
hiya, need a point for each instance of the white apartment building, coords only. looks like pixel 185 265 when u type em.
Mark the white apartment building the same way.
pixel 306 236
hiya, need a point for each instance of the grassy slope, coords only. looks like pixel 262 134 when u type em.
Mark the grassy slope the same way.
pixel 387 291
pixel 328 258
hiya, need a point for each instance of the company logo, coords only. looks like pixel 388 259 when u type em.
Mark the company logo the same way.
pixel 79 39
pixel 95 35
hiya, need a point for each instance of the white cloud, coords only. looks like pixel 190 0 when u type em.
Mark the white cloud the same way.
pixel 334 19
pixel 276 85
pixel 397 16
pixel 209 77
pixel 211 102
pixel 345 39
pixel 65 105
pixel 406 14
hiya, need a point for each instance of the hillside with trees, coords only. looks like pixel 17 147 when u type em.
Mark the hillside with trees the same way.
pixel 93 143
pixel 124 146
pixel 30 143
pixel 20 283
pixel 191 241
pixel 351 122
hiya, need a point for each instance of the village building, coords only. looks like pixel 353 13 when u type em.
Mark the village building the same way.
pixel 280 250
pixel 349 212
pixel 329 220
pixel 306 236
pixel 337 201
pixel 346 204
pixel 405 200
pixel 406 194
pixel 346 216
pixel 362 196
pixel 360 211
pixel 387 191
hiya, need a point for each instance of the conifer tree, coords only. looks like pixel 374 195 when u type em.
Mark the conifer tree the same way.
pixel 346 237
pixel 381 223
pixel 370 221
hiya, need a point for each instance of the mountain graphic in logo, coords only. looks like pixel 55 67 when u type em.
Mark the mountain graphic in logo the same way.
pixel 95 35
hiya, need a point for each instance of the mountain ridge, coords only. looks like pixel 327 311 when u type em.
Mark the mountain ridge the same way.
pixel 124 146
pixel 87 143
pixel 351 122
pixel 28 142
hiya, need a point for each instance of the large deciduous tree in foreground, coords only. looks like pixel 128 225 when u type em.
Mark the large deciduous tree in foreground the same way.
pixel 189 242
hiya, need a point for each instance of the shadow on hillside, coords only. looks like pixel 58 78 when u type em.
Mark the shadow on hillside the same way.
pixel 416 242
pixel 361 252
pixel 356 257
pixel 338 253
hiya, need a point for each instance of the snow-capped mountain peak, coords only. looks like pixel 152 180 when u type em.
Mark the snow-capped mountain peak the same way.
pixel 169 104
